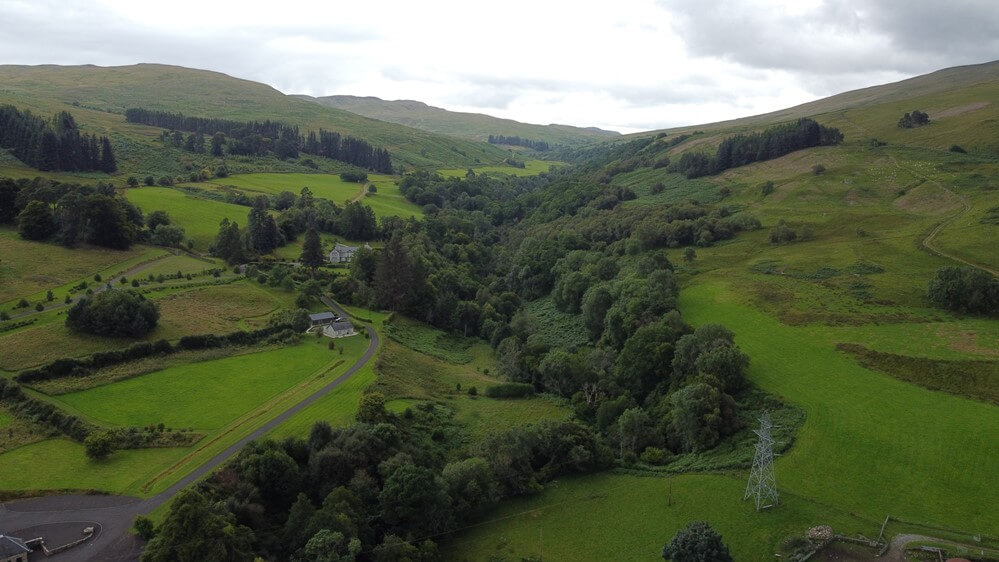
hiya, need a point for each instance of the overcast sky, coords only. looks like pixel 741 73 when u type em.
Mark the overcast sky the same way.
pixel 624 64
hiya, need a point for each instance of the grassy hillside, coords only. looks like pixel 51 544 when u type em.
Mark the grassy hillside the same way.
pixel 943 82
pixel 98 97
pixel 874 226
pixel 472 126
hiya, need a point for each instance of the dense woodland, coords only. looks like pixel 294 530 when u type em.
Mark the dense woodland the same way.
pixel 260 138
pixel 70 213
pixel 539 145
pixel 54 144
pixel 645 387
pixel 742 149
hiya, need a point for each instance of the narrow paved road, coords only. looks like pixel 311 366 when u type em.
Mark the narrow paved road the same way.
pixel 112 516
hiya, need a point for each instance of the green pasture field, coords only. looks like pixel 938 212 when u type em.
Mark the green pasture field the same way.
pixel 325 186
pixel 28 269
pixel 213 308
pixel 870 445
pixel 57 464
pixel 610 516
pixel 204 395
pixel 199 217
pixel 152 470
pixel 339 406
pixel 531 168
pixel 387 201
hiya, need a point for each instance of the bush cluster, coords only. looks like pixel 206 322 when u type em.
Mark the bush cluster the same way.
pixel 114 313
pixel 510 390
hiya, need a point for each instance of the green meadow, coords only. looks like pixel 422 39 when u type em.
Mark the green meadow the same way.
pixel 870 446
pixel 387 201
pixel 199 217
pixel 200 396
pixel 611 516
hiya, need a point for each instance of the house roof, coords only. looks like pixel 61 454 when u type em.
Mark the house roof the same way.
pixel 322 316
pixel 12 546
pixel 344 249
pixel 341 326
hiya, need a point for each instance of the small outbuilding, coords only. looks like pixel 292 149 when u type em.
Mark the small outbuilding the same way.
pixel 340 329
pixel 322 319
pixel 13 549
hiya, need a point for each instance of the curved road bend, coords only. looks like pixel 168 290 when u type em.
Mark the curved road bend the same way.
pixel 114 514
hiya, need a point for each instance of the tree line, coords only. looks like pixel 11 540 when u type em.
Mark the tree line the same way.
pixel 743 149
pixel 259 138
pixel 539 145
pixel 54 144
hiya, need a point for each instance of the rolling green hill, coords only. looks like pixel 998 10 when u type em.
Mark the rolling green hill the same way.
pixel 472 126
pixel 98 96
pixel 933 92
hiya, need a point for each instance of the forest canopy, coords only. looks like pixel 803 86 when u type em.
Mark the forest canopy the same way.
pixel 742 149
pixel 54 144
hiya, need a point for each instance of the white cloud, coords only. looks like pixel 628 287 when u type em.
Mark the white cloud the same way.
pixel 630 64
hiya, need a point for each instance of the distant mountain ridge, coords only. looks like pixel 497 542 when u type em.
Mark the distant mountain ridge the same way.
pixel 471 126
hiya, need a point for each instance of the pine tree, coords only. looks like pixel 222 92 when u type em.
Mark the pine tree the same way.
pixel 108 163
pixel 312 250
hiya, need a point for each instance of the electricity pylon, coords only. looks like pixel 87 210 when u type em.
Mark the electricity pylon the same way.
pixel 762 484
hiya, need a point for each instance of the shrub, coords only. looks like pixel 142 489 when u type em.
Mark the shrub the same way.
pixel 767 188
pixel 144 527
pixel 39 307
pixel 356 177
pixel 697 542
pixel 654 455
pixel 964 289
pixel 510 390
pixel 98 445
pixel 472 391
pixel 114 313
pixel 657 188
pixel 958 149
pixel 818 170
